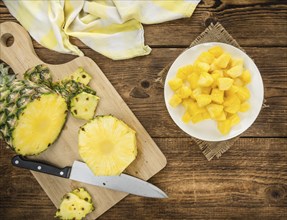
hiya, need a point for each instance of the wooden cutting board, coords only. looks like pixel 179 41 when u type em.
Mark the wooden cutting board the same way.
pixel 150 160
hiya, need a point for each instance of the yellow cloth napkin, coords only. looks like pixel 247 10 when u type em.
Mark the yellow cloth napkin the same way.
pixel 110 27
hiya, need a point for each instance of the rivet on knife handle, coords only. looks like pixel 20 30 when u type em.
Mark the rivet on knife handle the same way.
pixel 37 166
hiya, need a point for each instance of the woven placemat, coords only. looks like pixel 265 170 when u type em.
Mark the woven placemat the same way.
pixel 213 33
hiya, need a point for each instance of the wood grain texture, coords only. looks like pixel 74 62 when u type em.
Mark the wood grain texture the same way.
pixel 64 151
pixel 248 182
pixel 254 23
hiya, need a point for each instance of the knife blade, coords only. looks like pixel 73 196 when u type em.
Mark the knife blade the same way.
pixel 81 172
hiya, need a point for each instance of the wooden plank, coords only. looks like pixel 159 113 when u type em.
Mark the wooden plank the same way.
pixel 246 21
pixel 136 85
pixel 64 151
pixel 249 181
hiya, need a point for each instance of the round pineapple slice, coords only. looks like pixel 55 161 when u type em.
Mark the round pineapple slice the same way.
pixel 39 124
pixel 107 145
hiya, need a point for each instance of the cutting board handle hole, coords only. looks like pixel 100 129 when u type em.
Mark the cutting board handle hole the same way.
pixel 7 40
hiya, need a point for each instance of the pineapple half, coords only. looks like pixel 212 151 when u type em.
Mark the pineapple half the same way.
pixel 31 115
pixel 75 205
pixel 107 145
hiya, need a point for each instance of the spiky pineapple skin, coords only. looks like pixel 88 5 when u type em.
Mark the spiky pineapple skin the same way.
pixel 39 74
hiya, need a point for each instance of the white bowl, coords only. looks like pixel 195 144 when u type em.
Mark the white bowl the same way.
pixel 207 129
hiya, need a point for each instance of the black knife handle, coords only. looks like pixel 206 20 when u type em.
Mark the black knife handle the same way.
pixel 37 166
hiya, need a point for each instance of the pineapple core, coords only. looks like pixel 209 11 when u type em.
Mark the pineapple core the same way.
pixel 39 124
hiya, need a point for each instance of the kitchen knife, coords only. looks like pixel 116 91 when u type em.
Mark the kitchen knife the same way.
pixel 82 173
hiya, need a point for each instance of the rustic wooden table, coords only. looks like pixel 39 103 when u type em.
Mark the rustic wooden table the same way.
pixel 247 182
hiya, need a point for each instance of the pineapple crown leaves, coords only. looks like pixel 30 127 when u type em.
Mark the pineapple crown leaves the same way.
pixel 5 76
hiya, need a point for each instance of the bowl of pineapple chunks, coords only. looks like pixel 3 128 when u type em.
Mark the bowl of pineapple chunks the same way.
pixel 213 91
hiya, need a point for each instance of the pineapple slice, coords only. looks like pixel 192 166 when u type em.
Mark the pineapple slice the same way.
pixel 224 126
pixel 203 100
pixel 217 96
pixel 222 61
pixel 183 92
pixel 175 100
pixel 80 75
pixel 82 194
pixel 246 77
pixel 107 145
pixel 83 105
pixel 214 110
pixel 235 71
pixel 244 107
pixel 205 79
pixel 206 57
pixel 224 83
pixel 216 51
pixel 175 83
pixel 73 207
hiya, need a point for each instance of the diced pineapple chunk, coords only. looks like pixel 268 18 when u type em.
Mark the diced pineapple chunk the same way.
pixel 243 94
pixel 236 61
pixel 216 51
pixel 234 119
pixel 203 100
pixel 205 79
pixel 175 83
pixel 192 79
pixel 214 110
pixel 184 71
pixel 183 92
pixel 244 107
pixel 186 117
pixel 200 117
pixel 246 77
pixel 187 102
pixel 196 92
pixel 175 100
pixel 206 57
pixel 217 96
pixel 235 71
pixel 223 60
pixel 238 82
pixel 232 104
pixel 201 67
pixel 224 126
pixel 194 109
pixel 232 90
pixel 221 117
pixel 224 83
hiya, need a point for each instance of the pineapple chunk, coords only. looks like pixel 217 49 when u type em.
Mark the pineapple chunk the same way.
pixel 221 117
pixel 238 82
pixel 194 109
pixel 201 67
pixel 224 83
pixel 205 79
pixel 183 92
pixel 107 145
pixel 216 51
pixel 234 119
pixel 232 104
pixel 192 79
pixel 83 105
pixel 187 102
pixel 175 83
pixel 217 96
pixel 175 100
pixel 223 60
pixel 214 110
pixel 232 90
pixel 184 71
pixel 236 61
pixel 246 77
pixel 206 57
pixel 196 92
pixel 243 94
pixel 224 126
pixel 244 107
pixel 80 75
pixel 206 90
pixel 203 100
pixel 186 117
pixel 200 116
pixel 235 71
